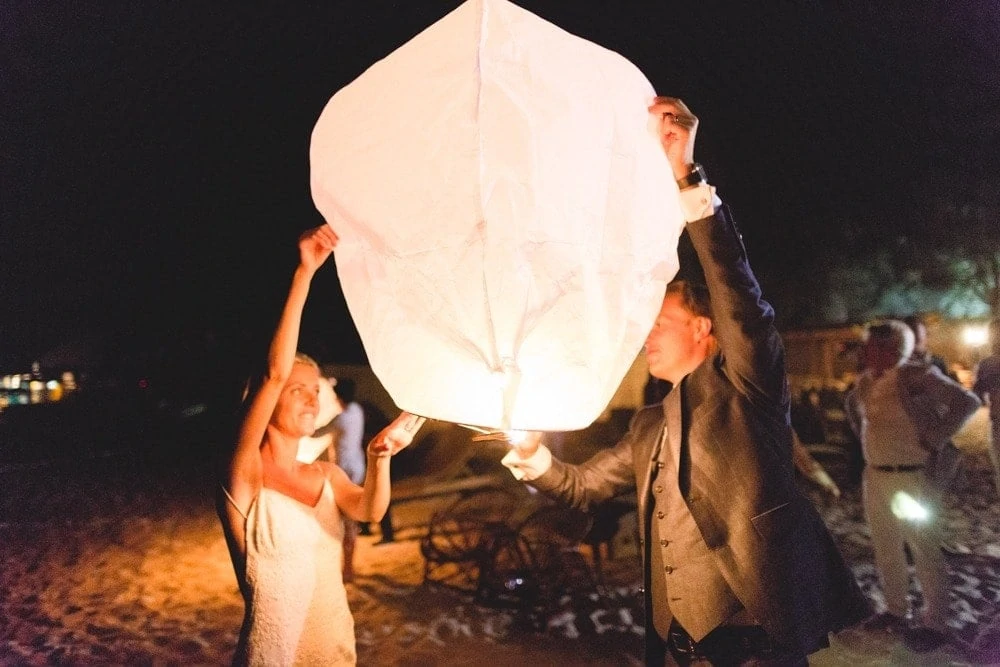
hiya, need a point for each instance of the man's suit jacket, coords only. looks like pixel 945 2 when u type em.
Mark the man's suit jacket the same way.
pixel 729 434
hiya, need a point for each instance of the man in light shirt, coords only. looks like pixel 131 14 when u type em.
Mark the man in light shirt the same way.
pixel 903 412
pixel 987 387
pixel 739 568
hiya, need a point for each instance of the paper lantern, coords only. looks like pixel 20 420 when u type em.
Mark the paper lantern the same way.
pixel 508 220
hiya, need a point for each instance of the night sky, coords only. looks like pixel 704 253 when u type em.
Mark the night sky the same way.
pixel 154 155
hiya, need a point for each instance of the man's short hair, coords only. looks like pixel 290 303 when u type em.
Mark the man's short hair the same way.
pixel 694 297
pixel 891 333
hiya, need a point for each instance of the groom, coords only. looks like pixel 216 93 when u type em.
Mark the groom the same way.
pixel 739 567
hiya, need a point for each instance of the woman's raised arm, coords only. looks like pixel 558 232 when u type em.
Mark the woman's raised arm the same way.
pixel 244 475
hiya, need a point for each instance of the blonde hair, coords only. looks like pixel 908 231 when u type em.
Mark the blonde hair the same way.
pixel 303 358
pixel 253 382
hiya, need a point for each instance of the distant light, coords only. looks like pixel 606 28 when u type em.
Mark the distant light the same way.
pixel 905 507
pixel 35 389
pixel 976 335
pixel 55 390
pixel 143 383
pixel 513 583
pixel 193 410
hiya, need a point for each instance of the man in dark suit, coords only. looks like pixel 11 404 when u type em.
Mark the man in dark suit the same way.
pixel 739 567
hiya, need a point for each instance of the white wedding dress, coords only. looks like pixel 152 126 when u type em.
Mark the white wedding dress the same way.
pixel 297 613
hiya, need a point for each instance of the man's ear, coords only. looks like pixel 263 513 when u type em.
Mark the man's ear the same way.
pixel 703 327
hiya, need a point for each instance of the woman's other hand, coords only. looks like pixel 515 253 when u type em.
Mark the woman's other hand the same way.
pixel 396 436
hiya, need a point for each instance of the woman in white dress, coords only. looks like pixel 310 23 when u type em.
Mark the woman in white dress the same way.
pixel 282 518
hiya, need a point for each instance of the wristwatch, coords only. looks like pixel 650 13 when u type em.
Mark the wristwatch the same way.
pixel 697 176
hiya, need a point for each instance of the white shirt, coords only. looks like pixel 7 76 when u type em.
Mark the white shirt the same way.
pixel 699 202
pixel 888 437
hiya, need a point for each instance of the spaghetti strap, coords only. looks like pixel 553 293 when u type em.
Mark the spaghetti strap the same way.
pixel 225 491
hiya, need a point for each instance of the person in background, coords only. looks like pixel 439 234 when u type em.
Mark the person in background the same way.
pixel 282 517
pixel 987 387
pixel 388 531
pixel 808 429
pixel 345 436
pixel 902 412
pixel 808 417
pixel 921 353
pixel 738 565
pixel 347 450
pixel 810 468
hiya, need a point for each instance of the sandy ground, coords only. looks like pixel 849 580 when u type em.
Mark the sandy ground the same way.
pixel 120 560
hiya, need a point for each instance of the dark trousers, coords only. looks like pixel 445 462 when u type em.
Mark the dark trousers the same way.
pixel 388 533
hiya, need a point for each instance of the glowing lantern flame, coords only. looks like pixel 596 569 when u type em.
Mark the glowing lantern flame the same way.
pixel 516 437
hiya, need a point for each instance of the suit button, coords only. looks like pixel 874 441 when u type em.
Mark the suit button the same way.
pixel 660 515
pixel 664 543
pixel 658 489
pixel 659 464
pixel 668 569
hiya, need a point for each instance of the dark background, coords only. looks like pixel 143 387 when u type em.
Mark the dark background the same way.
pixel 154 154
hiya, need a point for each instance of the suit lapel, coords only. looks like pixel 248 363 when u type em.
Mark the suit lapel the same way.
pixel 672 410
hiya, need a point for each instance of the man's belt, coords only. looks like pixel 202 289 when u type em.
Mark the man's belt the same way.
pixel 738 642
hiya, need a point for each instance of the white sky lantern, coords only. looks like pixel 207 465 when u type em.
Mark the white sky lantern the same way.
pixel 508 220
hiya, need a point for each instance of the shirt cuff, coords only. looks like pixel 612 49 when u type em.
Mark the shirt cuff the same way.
pixel 699 202
pixel 530 468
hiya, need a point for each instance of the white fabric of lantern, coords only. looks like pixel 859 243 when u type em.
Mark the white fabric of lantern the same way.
pixel 508 220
